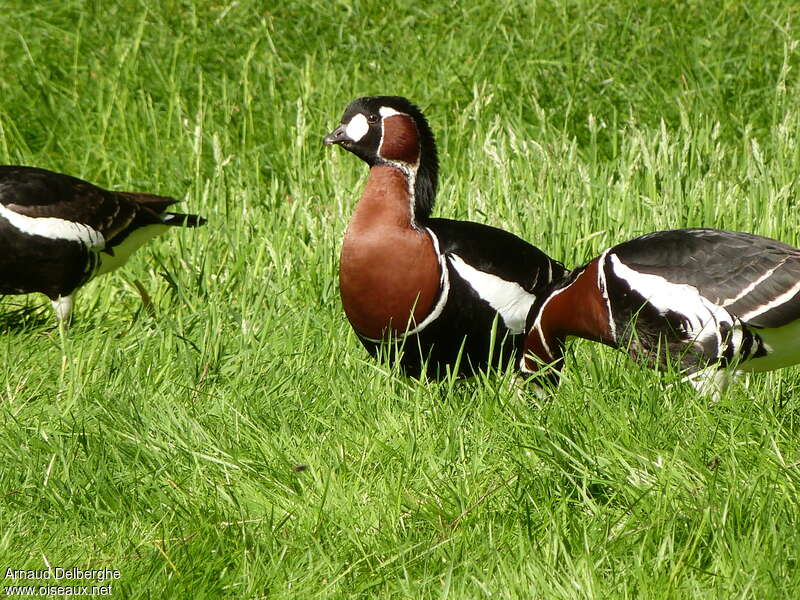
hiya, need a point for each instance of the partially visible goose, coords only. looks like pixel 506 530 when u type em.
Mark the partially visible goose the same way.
pixel 711 302
pixel 454 293
pixel 57 232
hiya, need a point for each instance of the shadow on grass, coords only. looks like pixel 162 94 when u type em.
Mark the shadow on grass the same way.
pixel 16 317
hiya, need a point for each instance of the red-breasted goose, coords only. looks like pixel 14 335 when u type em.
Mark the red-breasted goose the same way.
pixel 710 302
pixel 455 293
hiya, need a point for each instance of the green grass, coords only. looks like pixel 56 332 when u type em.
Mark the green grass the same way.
pixel 237 442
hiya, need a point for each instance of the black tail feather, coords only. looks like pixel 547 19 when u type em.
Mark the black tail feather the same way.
pixel 181 220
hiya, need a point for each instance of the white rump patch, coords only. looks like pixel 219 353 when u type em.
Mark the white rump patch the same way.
pixel 508 298
pixel 703 315
pixel 357 128
pixel 55 229
pixel 388 111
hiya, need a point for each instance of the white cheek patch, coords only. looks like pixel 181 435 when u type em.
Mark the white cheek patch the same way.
pixel 387 111
pixel 357 128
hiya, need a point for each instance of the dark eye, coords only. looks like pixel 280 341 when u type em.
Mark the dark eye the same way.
pixel 371 119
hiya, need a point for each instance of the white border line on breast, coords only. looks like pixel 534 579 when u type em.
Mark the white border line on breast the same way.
pixel 537 323
pixel 602 285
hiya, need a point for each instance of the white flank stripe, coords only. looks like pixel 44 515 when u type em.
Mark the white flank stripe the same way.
pixel 54 229
pixel 753 285
pixel 508 298
pixel 357 128
pixel 702 314
pixel 775 303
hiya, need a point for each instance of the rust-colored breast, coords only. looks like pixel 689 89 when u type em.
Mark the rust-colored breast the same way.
pixel 400 139
pixel 389 271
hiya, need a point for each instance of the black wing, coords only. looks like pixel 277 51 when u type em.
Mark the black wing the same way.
pixel 753 277
pixel 37 192
pixel 498 252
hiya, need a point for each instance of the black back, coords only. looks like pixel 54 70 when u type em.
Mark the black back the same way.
pixel 722 265
pixel 37 192
pixel 56 267
pixel 498 252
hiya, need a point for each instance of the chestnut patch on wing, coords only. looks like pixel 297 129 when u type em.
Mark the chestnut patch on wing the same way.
pixel 389 271
pixel 400 139
pixel 579 310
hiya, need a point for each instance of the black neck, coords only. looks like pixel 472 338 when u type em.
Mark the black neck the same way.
pixel 427 172
pixel 425 185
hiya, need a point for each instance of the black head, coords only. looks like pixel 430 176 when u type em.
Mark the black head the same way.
pixel 390 130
